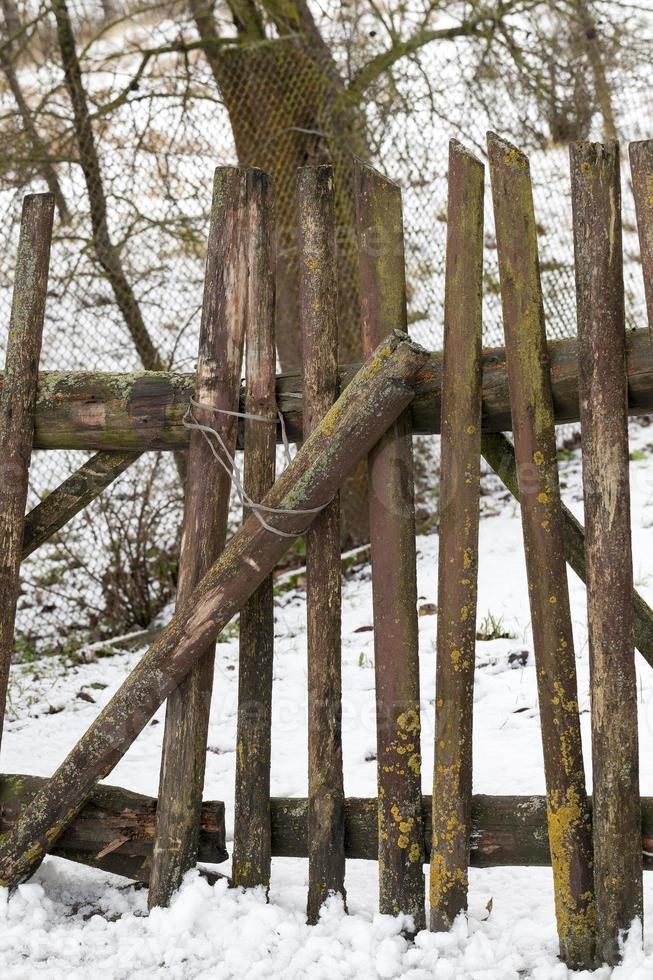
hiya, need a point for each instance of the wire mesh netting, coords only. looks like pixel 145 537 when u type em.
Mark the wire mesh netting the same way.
pixel 113 570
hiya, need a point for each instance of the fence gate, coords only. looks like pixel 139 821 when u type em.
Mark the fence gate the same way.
pixel 340 416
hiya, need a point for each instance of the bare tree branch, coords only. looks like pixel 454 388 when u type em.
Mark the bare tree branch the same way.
pixel 107 254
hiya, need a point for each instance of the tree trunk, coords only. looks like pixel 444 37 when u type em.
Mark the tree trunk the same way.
pixel 591 42
pixel 288 109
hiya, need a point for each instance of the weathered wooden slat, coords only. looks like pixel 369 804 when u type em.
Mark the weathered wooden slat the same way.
pixel 542 523
pixel 236 194
pixel 596 202
pixel 114 831
pixel 460 472
pixel 318 313
pixel 135 412
pixel 17 401
pixel 379 393
pixel 641 168
pixel 394 576
pixel 72 496
pixel 506 830
pixel 251 847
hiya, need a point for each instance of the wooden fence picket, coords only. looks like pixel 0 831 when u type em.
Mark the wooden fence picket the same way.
pixel 222 333
pixel 535 449
pixel 318 298
pixel 641 168
pixel 394 585
pixel 458 539
pixel 251 846
pixel 17 402
pixel 617 820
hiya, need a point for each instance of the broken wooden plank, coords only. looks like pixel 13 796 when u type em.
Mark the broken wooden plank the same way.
pixel 114 831
pixel 506 830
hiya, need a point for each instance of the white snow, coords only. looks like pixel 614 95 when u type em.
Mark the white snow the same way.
pixel 70 920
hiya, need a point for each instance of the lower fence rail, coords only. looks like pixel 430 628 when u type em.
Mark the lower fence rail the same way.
pixel 114 830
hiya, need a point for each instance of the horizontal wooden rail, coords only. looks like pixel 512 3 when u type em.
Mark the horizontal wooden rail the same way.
pixel 114 830
pixel 141 411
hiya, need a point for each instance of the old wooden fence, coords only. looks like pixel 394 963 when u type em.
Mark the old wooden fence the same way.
pixel 342 415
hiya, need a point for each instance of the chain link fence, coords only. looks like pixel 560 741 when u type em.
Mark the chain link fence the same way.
pixel 113 569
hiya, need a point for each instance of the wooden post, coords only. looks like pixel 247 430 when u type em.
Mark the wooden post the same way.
pixel 72 496
pixel 222 334
pixel 535 450
pixel 641 168
pixel 381 390
pixel 318 299
pixel 251 847
pixel 392 537
pixel 460 472
pixel 596 200
pixel 17 409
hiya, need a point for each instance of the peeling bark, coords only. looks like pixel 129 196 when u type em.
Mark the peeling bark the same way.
pixel 236 202
pixel 251 857
pixel 143 410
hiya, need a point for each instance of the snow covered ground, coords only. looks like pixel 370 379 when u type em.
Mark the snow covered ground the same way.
pixel 70 920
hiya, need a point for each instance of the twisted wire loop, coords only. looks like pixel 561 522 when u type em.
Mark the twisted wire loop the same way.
pixel 228 462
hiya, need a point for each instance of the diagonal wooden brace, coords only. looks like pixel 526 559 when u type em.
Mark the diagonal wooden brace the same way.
pixel 499 452
pixel 75 493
